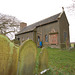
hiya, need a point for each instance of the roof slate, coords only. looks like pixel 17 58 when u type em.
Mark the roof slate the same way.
pixel 42 22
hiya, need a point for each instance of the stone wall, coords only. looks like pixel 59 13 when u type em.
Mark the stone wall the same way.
pixel 25 36
pixel 54 32
pixel 64 30
pixel 46 30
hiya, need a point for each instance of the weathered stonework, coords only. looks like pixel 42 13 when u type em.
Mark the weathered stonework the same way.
pixel 27 58
pixel 8 57
pixel 54 29
pixel 43 60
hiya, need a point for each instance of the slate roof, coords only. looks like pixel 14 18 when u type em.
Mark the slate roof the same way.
pixel 42 22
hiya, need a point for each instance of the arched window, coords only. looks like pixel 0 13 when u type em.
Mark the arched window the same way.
pixel 18 38
pixel 38 38
pixel 46 38
pixel 65 36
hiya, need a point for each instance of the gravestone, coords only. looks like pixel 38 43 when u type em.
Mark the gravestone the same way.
pixel 8 57
pixel 15 55
pixel 27 58
pixel 43 60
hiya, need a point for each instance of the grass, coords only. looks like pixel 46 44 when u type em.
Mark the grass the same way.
pixel 61 62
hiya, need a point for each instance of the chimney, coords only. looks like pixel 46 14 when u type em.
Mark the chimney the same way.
pixel 22 25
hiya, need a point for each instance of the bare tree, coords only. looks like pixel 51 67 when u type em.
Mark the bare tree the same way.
pixel 9 25
pixel 71 8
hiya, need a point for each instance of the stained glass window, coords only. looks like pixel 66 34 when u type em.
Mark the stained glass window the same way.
pixel 65 36
pixel 46 38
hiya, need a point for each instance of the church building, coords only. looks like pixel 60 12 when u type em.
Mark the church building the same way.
pixel 52 31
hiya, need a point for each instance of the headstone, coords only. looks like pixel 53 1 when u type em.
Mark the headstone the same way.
pixel 27 58
pixel 43 60
pixel 7 51
pixel 14 64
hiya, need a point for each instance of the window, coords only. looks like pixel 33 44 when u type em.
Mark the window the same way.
pixel 38 38
pixel 65 36
pixel 18 38
pixel 46 38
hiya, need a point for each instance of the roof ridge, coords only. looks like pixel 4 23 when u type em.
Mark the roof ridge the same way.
pixel 45 18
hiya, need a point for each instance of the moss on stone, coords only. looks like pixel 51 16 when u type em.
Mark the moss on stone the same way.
pixel 8 56
pixel 43 60
pixel 27 58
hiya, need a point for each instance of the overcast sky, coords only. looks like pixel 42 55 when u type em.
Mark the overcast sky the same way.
pixel 31 11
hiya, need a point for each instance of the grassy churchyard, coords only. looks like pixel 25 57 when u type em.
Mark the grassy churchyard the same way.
pixel 60 62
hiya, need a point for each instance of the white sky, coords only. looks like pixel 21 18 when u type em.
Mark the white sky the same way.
pixel 31 11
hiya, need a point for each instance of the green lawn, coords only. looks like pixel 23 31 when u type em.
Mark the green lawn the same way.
pixel 61 62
